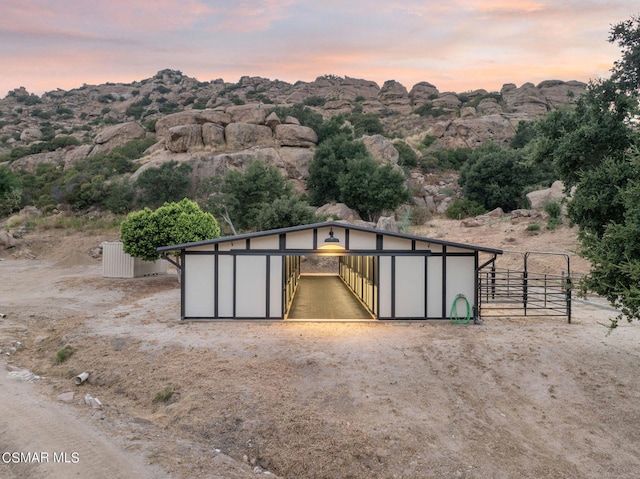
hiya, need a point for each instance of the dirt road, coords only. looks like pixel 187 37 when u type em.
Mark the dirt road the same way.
pixel 43 438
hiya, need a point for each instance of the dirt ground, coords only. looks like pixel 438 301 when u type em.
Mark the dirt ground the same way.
pixel 511 398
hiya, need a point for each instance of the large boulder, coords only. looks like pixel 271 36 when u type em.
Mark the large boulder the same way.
pixel 213 136
pixel 381 149
pixel 394 96
pixel 527 99
pixel 422 93
pixel 387 223
pixel 558 92
pixel 447 101
pixel 537 199
pixel 76 154
pixel 31 162
pixel 253 113
pixel 190 117
pixel 472 132
pixel 295 135
pixel 184 138
pixel 296 162
pixel 117 135
pixel 7 240
pixel 30 134
pixel 241 136
pixel 488 106
pixel 338 210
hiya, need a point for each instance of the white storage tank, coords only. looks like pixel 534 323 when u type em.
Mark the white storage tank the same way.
pixel 118 264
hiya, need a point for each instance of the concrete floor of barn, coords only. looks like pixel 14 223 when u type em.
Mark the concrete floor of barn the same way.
pixel 325 297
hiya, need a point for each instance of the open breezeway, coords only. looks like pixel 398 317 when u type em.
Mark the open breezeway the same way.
pixel 325 297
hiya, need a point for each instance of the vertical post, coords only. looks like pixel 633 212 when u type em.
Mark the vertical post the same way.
pixel 525 284
pixel 493 281
pixel 569 288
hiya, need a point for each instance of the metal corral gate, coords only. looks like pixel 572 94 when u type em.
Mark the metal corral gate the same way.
pixel 510 292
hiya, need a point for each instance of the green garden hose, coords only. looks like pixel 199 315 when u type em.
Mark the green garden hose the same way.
pixel 453 314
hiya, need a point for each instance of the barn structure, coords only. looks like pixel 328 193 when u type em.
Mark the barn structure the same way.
pixel 392 275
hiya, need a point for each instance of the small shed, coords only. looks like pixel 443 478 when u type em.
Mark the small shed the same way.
pixel 118 264
pixel 393 275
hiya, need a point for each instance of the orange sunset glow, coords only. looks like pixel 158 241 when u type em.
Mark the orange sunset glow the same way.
pixel 458 46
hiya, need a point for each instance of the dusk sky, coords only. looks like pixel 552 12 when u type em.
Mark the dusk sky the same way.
pixel 458 45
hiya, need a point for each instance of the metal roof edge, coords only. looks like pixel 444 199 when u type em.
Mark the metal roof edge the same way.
pixel 326 224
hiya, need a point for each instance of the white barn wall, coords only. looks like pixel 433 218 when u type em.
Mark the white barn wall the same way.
pixel 359 240
pixel 409 287
pixel 300 240
pixel 251 288
pixel 199 300
pixel 392 243
pixel 385 287
pixel 434 286
pixel 460 280
pixel 225 286
pixel 275 287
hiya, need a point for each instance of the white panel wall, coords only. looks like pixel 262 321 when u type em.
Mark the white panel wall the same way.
pixel 385 287
pixel 275 300
pixel 225 286
pixel 409 287
pixel 199 286
pixel 359 240
pixel 251 288
pixel 391 242
pixel 266 242
pixel 300 240
pixel 460 280
pixel 434 287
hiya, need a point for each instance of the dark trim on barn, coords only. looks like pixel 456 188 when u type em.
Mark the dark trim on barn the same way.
pixel 369 288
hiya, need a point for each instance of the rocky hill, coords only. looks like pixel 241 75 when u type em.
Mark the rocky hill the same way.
pixel 216 125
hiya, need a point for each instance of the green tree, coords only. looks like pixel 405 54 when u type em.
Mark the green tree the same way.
pixel 10 191
pixel 284 212
pixel 258 198
pixel 329 162
pixel 245 194
pixel 166 183
pixel 371 189
pixel 596 148
pixel 578 139
pixel 143 231
pixel 494 177
pixel 615 258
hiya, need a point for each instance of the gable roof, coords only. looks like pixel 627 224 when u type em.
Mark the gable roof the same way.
pixel 328 224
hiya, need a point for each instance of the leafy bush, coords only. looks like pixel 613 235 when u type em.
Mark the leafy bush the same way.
pixel 284 212
pixel 553 208
pixel 407 157
pixel 164 396
pixel 464 208
pixel 427 141
pixel 315 100
pixel 168 182
pixel 10 191
pixel 143 231
pixel 366 124
pixel 63 354
pixel 428 110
